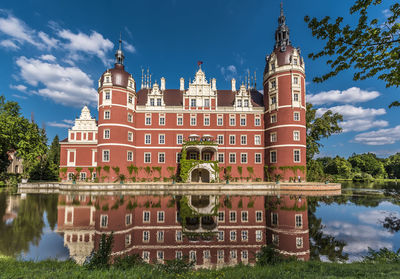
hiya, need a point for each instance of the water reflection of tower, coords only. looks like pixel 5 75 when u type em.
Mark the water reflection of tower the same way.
pixel 287 225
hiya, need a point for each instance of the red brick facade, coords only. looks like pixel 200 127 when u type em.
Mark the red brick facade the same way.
pixel 144 131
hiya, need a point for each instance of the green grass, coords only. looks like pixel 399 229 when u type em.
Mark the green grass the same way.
pixel 11 268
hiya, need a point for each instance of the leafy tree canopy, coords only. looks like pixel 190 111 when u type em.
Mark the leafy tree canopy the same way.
pixel 372 47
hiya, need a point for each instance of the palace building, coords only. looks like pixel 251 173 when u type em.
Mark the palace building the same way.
pixel 199 133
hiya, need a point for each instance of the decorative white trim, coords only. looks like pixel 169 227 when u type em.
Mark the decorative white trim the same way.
pixel 286 125
pixel 285 145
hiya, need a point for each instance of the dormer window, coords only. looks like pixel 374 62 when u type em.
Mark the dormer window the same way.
pixel 152 102
pixel 206 103
pixel 273 65
pixel 246 103
pixel 107 79
pixel 130 84
pixel 193 102
pixel 239 103
pixel 159 102
pixel 295 61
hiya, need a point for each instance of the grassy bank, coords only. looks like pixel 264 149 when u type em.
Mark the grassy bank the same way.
pixel 11 268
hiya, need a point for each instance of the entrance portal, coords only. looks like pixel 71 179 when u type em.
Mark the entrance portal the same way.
pixel 200 175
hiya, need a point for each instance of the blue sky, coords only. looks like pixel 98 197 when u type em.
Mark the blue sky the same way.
pixel 53 52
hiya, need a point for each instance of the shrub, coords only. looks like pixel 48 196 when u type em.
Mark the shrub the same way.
pixel 176 266
pixel 127 262
pixel 101 258
pixel 268 255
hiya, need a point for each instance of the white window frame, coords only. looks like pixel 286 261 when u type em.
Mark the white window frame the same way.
pixel 130 117
pixel 232 120
pixel 246 219
pixel 299 242
pixel 274 118
pixel 147 138
pixel 296 118
pixel 232 213
pixel 294 156
pixel 221 236
pixel 160 216
pixel 103 219
pixel 270 157
pixel 243 120
pixel 255 158
pixel 257 139
pixel 223 157
pixel 147 123
pixel 131 155
pixel 177 120
pixel 296 135
pixel 262 217
pixel 161 138
pixel 206 117
pixel 145 219
pixel 220 117
pixel 179 139
pixel 300 216
pixel 103 155
pixel 234 157
pixel 146 236
pixel 233 235
pixel 161 120
pixel 220 137
pixel 105 114
pixel 232 142
pixel 144 157
pixel 161 154
pixel 193 123
pixel 221 216
pixel 273 137
pixel 106 135
pixel 128 219
pixel 245 156
pixel 243 139
pixel 130 136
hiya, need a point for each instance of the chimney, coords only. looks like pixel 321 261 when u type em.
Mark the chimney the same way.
pixel 233 85
pixel 162 84
pixel 214 84
pixel 182 86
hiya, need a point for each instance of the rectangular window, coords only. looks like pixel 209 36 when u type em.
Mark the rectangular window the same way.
pixel 106 155
pixel 273 84
pixel 245 216
pixel 146 236
pixel 296 116
pixel 83 176
pixel 239 103
pixel 206 254
pixel 207 103
pixel 192 256
pixel 273 100
pixel 242 121
pixel 245 235
pixel 130 99
pixel 160 256
pixel 233 254
pixel 296 156
pixel 299 221
pixel 192 120
pixel 192 102
pixel 160 216
pixel 232 158
pixel 232 235
pixel 147 139
pixel 130 156
pixel 152 102
pixel 220 139
pixel 158 102
pixel 178 236
pixel 130 118
pixel 258 235
pixel 148 120
pixel 161 120
pixel 246 103
pixel 178 255
pixel 232 139
pixel 296 135
pixel 161 157
pixel 221 157
pixel 179 139
pixel 220 120
pixel 272 156
pixel 160 236
pixel 257 121
pixel 273 137
pixel 257 158
pixel 220 255
pixel 295 97
pixel 232 216
pixel 243 158
pixel 243 139
pixel 206 120
pixel 274 219
pixel 108 95
pixel 130 136
pixel 273 118
pixel 295 61
pixel 295 80
pixel 147 157
pixel 299 242
pixel 146 216
pixel 178 157
pixel 128 239
pixel 221 236
pixel 221 216
pixel 232 120
pixel 179 121
pixel 128 219
pixel 107 114
pixel 104 221
pixel 275 239
pixel 245 255
pixel 161 139
pixel 259 216
pixel 106 134
pixel 257 139
pixel 146 256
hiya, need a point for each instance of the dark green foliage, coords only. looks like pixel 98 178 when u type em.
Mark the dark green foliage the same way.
pixel 102 257
pixel 371 47
pixel 269 255
pixel 176 266
pixel 128 262
pixel 383 255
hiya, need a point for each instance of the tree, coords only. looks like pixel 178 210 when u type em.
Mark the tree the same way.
pixel 318 128
pixel 392 166
pixel 372 47
pixel 54 151
pixel 368 163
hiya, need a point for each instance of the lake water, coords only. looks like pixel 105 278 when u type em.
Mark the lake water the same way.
pixel 211 230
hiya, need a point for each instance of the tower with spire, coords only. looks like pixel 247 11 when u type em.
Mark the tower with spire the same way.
pixel 285 108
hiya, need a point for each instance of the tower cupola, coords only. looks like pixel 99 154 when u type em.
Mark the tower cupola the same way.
pixel 119 55
pixel 282 33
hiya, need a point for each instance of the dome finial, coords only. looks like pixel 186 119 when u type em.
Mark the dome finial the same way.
pixel 282 32
pixel 119 55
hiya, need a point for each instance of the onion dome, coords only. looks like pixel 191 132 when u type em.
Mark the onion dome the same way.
pixel 119 77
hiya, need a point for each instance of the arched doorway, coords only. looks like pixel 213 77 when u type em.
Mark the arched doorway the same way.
pixel 200 175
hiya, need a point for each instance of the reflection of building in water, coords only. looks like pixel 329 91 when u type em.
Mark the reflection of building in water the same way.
pixel 12 209
pixel 287 226
pixel 210 230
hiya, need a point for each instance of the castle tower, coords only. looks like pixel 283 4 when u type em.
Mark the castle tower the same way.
pixel 117 106
pixel 285 108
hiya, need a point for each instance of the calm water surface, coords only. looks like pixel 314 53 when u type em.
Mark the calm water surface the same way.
pixel 212 230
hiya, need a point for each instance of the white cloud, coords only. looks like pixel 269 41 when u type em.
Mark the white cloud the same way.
pixel 48 57
pixel 379 137
pixel 19 96
pixel 94 44
pixel 19 87
pixel 9 44
pixel 374 217
pixel 351 95
pixel 228 72
pixel 69 86
pixel 49 42
pixel 128 47
pixel 66 123
pixel 17 30
pixel 357 118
